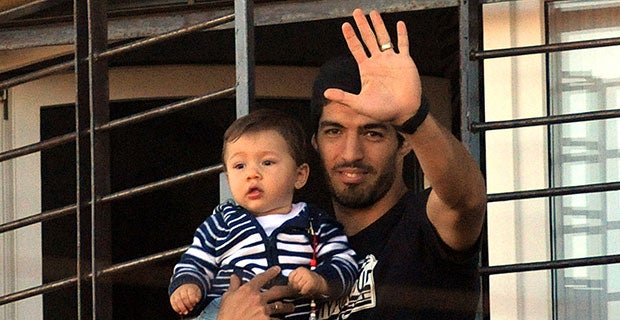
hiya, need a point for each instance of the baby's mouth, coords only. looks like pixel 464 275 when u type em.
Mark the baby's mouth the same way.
pixel 254 192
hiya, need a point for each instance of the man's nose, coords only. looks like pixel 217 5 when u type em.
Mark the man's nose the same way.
pixel 353 150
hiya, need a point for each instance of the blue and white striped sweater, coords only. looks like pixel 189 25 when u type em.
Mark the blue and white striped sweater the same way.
pixel 232 240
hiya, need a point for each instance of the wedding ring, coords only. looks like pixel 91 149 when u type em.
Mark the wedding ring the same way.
pixel 386 46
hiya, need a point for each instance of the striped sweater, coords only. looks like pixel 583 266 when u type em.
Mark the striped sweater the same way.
pixel 232 241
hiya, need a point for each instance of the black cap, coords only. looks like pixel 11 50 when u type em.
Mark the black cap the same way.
pixel 340 72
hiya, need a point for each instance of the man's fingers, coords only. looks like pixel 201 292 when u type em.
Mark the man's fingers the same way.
pixel 280 307
pixel 278 292
pixel 366 32
pixel 340 96
pixel 262 279
pixel 383 37
pixel 353 42
pixel 403 39
pixel 235 283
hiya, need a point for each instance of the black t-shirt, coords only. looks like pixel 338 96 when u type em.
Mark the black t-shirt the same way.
pixel 407 271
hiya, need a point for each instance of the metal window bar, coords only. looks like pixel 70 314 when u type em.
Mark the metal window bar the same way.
pixel 61 67
pixel 470 88
pixel 124 194
pixel 473 123
pixel 146 115
pixel 245 77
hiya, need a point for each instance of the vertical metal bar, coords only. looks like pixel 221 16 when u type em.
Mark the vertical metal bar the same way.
pixel 100 222
pixel 80 20
pixel 244 67
pixel 92 158
pixel 244 55
pixel 472 107
pixel 553 218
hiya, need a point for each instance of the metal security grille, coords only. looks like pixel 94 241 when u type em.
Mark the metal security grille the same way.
pixel 93 126
pixel 474 124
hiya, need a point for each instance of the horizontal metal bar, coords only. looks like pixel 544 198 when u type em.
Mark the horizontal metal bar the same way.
pixel 502 53
pixel 127 193
pixel 166 109
pixel 31 292
pixel 551 192
pixel 70 65
pixel 36 147
pixel 139 117
pixel 31 76
pixel 555 119
pixel 36 218
pixel 27 8
pixel 68 282
pixel 149 187
pixel 166 36
pixel 133 264
pixel 123 27
pixel 548 265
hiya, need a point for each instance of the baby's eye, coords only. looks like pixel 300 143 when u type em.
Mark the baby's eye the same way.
pixel 268 162
pixel 238 166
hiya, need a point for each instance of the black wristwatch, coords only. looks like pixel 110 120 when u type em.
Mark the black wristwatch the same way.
pixel 412 124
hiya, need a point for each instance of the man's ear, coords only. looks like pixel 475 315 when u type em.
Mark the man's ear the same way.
pixel 303 172
pixel 313 141
pixel 405 148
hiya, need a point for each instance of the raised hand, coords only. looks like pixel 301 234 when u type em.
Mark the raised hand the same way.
pixel 391 88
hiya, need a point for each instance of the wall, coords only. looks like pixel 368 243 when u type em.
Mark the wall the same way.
pixel 518 231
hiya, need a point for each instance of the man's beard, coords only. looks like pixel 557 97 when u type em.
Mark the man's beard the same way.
pixel 360 196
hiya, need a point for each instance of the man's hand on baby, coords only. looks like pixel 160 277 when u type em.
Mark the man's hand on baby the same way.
pixel 308 283
pixel 184 298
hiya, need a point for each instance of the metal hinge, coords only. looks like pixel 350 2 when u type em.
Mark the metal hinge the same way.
pixel 4 99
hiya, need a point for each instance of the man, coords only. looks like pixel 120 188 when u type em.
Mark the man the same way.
pixel 420 249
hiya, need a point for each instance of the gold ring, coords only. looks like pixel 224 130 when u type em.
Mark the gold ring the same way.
pixel 386 46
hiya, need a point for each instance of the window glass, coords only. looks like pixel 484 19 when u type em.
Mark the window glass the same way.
pixel 586 225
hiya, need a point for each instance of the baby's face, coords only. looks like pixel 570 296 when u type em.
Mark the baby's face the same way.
pixel 261 172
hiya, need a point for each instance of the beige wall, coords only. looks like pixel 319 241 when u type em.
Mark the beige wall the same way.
pixel 518 231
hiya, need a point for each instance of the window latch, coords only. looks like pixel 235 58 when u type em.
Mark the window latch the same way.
pixel 4 99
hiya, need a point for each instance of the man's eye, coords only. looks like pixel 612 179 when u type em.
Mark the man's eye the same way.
pixel 331 132
pixel 374 135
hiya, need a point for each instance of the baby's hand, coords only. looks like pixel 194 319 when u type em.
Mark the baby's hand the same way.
pixel 308 283
pixel 185 297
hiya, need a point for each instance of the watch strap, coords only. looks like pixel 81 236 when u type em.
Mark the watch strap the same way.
pixel 411 125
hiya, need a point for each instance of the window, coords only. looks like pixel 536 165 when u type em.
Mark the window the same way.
pixel 583 153
pixel 538 157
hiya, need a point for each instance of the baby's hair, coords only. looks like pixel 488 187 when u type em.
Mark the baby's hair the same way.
pixel 270 119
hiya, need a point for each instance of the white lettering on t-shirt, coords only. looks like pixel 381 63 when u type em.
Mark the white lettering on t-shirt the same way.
pixel 362 295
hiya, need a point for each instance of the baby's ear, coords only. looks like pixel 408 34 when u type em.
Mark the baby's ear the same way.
pixel 303 172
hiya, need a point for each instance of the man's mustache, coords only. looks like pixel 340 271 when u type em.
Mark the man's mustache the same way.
pixel 354 165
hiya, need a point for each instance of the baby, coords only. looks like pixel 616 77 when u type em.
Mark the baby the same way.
pixel 264 156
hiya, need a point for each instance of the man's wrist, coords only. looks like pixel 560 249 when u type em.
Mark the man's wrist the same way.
pixel 411 125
